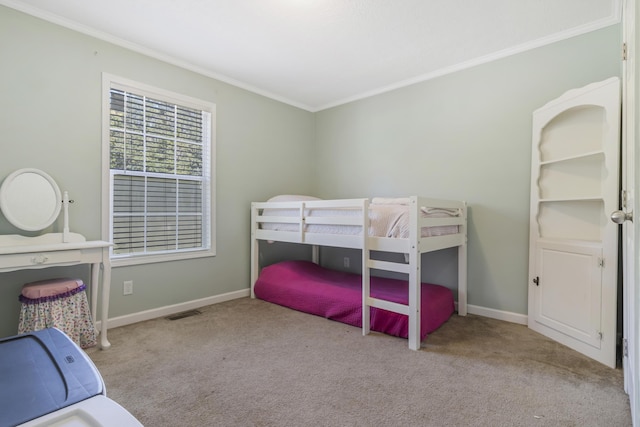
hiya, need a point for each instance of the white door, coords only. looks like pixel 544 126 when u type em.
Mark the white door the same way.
pixel 630 362
pixel 573 254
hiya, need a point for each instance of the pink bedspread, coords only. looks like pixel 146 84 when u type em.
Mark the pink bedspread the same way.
pixel 335 295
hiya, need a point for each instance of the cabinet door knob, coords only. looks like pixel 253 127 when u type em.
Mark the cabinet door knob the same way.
pixel 619 216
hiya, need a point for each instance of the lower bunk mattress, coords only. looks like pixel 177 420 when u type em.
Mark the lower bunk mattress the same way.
pixel 336 295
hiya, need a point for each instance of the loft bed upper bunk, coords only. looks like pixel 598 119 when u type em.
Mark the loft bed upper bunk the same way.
pixel 410 226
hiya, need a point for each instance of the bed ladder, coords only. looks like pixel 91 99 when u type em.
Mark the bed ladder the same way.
pixel 412 270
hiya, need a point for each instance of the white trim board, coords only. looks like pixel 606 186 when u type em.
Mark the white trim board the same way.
pixel 613 19
pixel 168 310
pixel 492 313
pixel 156 313
pixel 143 50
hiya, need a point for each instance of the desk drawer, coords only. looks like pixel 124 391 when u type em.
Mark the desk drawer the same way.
pixel 39 259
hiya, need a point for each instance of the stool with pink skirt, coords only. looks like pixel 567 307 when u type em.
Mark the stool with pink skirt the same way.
pixel 58 303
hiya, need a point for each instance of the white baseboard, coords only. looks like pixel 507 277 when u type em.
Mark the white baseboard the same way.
pixel 191 305
pixel 173 309
pixel 492 313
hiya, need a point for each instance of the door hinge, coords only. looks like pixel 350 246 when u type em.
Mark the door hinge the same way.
pixel 624 51
pixel 600 262
pixel 625 348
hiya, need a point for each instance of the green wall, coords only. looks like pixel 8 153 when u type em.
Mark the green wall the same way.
pixel 462 136
pixel 50 118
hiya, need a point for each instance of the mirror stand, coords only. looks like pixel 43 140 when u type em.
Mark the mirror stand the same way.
pixel 31 201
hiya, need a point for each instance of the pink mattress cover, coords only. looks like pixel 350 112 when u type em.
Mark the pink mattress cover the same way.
pixel 335 295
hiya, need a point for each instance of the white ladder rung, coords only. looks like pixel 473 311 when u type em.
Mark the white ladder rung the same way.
pixel 388 305
pixel 388 266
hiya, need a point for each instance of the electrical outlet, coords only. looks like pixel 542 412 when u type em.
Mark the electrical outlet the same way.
pixel 346 262
pixel 127 289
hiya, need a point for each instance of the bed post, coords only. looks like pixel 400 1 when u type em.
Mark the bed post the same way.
pixel 414 275
pixel 366 273
pixel 255 250
pixel 462 267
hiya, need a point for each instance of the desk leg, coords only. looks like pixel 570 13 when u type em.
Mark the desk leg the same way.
pixel 95 268
pixel 106 291
pixel 95 285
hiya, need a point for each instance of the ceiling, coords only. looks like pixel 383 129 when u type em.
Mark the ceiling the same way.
pixel 316 54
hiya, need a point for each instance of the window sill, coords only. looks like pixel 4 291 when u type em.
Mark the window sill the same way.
pixel 152 259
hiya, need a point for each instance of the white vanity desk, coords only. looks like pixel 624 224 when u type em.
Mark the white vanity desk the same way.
pixel 31 200
pixel 48 250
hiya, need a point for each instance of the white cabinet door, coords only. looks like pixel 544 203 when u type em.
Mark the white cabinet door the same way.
pixel 573 261
pixel 569 290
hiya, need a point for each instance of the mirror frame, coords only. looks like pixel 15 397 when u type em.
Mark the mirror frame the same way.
pixel 12 210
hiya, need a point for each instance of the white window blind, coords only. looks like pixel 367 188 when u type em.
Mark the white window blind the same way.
pixel 160 177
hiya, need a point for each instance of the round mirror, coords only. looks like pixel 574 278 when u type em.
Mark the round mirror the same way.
pixel 30 199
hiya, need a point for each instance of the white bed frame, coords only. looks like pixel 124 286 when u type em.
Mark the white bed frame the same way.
pixel 414 246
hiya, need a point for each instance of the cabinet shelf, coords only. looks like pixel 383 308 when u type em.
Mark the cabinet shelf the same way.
pixel 571 219
pixel 571 199
pixel 572 178
pixel 570 158
pixel 573 133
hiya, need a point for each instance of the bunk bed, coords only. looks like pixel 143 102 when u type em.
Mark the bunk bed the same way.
pixel 410 226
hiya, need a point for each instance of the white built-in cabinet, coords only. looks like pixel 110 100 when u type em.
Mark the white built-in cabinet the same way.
pixel 573 243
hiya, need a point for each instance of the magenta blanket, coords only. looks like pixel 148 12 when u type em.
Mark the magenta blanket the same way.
pixel 335 295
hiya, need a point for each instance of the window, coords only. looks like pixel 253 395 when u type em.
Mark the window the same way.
pixel 160 167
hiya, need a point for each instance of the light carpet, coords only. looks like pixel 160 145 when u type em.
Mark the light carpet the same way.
pixel 251 363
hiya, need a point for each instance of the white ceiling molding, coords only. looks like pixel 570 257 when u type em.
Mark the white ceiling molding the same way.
pixel 552 38
pixel 72 25
pixel 318 54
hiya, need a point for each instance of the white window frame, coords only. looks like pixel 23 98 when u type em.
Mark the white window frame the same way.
pixel 209 249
